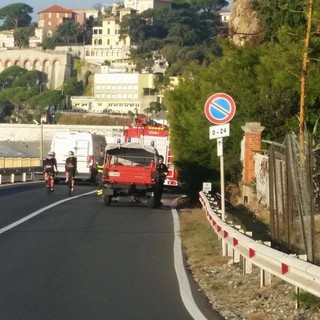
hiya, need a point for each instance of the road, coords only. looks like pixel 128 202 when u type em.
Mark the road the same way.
pixel 71 258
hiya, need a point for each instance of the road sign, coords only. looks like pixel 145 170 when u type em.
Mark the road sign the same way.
pixel 220 131
pixel 220 147
pixel 206 186
pixel 220 108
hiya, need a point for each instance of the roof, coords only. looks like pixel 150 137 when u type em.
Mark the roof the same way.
pixel 56 9
pixel 132 146
pixel 86 10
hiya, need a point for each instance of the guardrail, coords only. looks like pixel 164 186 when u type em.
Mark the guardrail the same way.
pixel 303 275
pixel 20 169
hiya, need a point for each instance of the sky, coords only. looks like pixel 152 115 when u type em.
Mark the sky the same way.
pixel 39 5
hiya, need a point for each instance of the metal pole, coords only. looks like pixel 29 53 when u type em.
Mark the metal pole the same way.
pixel 41 140
pixel 222 188
pixel 220 150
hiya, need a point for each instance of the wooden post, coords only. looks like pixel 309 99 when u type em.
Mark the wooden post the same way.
pixel 304 72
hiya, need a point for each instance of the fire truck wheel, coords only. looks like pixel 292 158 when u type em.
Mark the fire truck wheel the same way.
pixel 152 202
pixel 107 200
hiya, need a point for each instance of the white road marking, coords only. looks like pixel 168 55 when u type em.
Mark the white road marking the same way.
pixel 184 286
pixel 30 216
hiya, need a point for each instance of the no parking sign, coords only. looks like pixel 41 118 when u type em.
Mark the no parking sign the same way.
pixel 220 108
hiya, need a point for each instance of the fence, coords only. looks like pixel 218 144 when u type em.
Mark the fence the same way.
pixel 20 169
pixel 303 275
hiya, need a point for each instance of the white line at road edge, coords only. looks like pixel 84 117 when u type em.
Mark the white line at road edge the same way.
pixel 184 286
pixel 12 225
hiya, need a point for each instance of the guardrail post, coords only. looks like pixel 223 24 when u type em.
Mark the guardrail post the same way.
pixel 236 256
pixel 247 266
pixel 12 178
pixel 230 251
pixel 224 247
pixel 265 278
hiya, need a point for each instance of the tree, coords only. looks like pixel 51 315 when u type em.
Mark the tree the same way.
pixel 49 43
pixel 22 36
pixel 209 7
pixel 29 79
pixel 68 31
pixel 16 15
pixel 9 75
pixel 72 87
pixel 276 14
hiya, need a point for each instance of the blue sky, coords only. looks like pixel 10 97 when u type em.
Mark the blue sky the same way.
pixel 39 5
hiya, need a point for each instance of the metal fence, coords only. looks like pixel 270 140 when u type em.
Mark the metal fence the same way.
pixel 293 186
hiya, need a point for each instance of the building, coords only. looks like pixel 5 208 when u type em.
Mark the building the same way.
pixel 225 12
pixel 117 91
pixel 7 39
pixel 106 42
pixel 49 19
pixel 84 14
pixel 142 5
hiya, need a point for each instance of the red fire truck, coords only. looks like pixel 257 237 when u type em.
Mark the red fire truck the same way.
pixel 150 133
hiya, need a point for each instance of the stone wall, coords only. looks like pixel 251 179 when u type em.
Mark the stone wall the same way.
pixel 58 66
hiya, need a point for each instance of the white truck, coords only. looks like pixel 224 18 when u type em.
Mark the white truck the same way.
pixel 87 148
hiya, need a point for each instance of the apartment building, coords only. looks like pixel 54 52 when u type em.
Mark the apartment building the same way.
pixel 106 42
pixel 49 19
pixel 84 14
pixel 117 91
pixel 142 5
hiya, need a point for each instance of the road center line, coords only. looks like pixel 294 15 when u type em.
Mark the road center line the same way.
pixel 30 216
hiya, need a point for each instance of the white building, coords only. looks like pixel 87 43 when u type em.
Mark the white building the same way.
pixel 142 5
pixel 7 39
pixel 118 92
pixel 106 42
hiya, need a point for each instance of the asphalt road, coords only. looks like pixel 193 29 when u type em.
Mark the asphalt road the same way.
pixel 72 258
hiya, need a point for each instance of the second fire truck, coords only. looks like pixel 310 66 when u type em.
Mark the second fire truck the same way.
pixel 150 133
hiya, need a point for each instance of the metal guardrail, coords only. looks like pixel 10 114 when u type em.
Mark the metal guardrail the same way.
pixel 20 169
pixel 303 275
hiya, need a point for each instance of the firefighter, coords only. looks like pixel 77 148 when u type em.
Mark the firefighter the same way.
pixel 162 172
pixel 99 166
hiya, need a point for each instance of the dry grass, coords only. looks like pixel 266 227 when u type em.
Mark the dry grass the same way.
pixel 199 240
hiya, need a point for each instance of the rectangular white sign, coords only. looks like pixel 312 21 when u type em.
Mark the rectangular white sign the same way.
pixel 219 131
pixel 206 187
pixel 220 147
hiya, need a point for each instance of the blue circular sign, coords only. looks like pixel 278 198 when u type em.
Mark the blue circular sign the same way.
pixel 220 108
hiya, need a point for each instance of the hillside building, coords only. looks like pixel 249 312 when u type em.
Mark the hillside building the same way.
pixel 142 5
pixel 118 91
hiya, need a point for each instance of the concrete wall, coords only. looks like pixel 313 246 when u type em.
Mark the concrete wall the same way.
pixel 25 140
pixel 33 132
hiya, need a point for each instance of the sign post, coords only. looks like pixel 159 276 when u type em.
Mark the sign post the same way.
pixel 220 109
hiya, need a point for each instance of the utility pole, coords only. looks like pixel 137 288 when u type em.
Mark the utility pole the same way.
pixel 304 72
